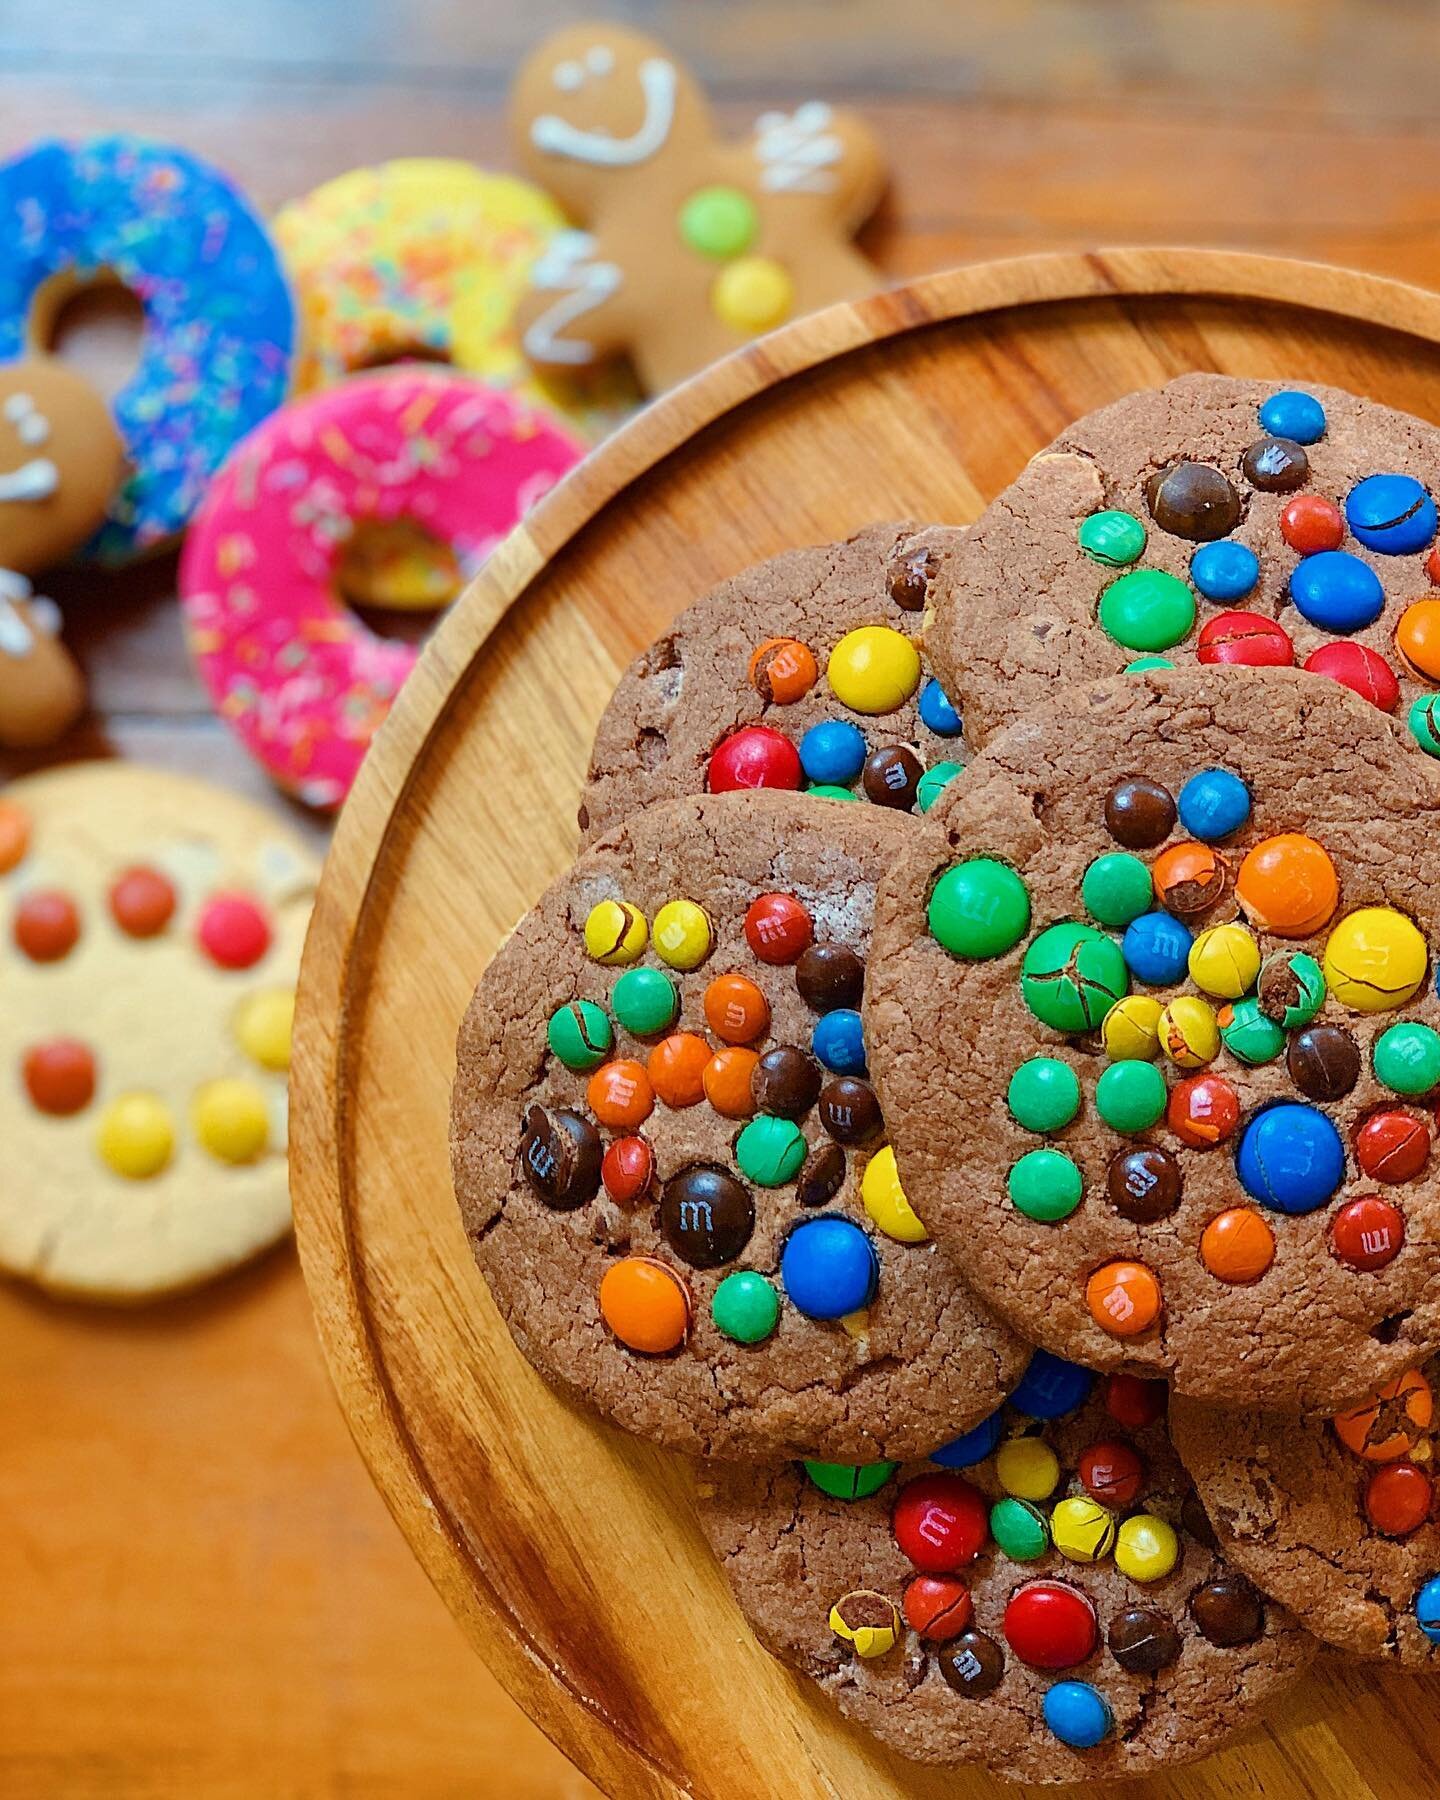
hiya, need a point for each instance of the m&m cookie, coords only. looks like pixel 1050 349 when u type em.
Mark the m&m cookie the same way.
pixel 152 937
pixel 804 673
pixel 1041 1595
pixel 1337 1518
pixel 670 1159
pixel 1212 521
pixel 1152 1011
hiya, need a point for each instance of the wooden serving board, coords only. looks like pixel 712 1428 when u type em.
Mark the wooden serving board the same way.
pixel 568 1553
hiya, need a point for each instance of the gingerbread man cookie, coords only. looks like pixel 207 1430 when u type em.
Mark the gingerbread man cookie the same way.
pixel 60 461
pixel 689 246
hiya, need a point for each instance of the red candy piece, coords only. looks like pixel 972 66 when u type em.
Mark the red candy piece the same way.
pixel 755 757
pixel 1368 1233
pixel 142 902
pixel 1132 1402
pixel 938 1607
pixel 1203 1110
pixel 233 931
pixel 1398 1499
pixel 940 1522
pixel 627 1169
pixel 1309 523
pixel 1248 638
pixel 1363 671
pixel 1392 1146
pixel 60 1076
pixel 47 925
pixel 1432 565
pixel 1050 1625
pixel 777 928
pixel 1112 1472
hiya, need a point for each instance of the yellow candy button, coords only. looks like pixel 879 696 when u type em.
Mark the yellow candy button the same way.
pixel 1224 961
pixel 1130 1030
pixel 1083 1530
pixel 231 1120
pixel 1146 1548
pixel 682 934
pixel 752 294
pixel 1027 1468
pixel 884 1200
pixel 136 1135
pixel 1374 959
pixel 874 669
pixel 263 1025
pixel 615 933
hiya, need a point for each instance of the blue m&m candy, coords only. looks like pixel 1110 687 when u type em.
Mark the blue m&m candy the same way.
pixel 833 752
pixel 839 1042
pixel 829 1268
pixel 1393 514
pixel 1078 1714
pixel 1336 591
pixel 1213 804
pixel 1224 570
pixel 1290 1158
pixel 971 1446
pixel 1156 947
pixel 1051 1387
pixel 936 710
pixel 1427 1609
pixel 1291 414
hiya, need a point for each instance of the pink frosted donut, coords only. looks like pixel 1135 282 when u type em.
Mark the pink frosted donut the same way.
pixel 302 679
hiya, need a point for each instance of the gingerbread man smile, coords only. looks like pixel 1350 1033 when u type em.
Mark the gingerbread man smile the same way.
pixel 561 138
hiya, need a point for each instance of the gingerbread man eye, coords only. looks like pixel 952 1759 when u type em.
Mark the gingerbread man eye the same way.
pixel 599 59
pixel 569 77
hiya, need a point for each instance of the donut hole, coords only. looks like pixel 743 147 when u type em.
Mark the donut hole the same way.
pixel 400 351
pixel 94 323
pixel 397 575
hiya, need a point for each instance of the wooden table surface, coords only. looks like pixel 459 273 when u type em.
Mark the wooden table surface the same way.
pixel 202 1594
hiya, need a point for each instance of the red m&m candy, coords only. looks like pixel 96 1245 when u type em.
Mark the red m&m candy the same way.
pixel 142 901
pixel 47 925
pixel 1111 1472
pixel 1392 1146
pixel 627 1169
pixel 754 757
pixel 1203 1110
pixel 233 931
pixel 1398 1499
pixel 1368 1233
pixel 940 1522
pixel 1247 638
pixel 1310 523
pixel 777 928
pixel 1133 1402
pixel 1360 669
pixel 938 1607
pixel 1050 1625
pixel 60 1076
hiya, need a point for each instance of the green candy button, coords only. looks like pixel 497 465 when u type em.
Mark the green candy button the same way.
pixel 1071 976
pixel 979 908
pixel 1407 1058
pixel 1117 888
pixel 1045 1185
pixel 1044 1094
pixel 1112 538
pixel 850 1481
pixel 745 1307
pixel 934 782
pixel 770 1150
pixel 1019 1529
pixel 645 1001
pixel 1147 610
pixel 719 222
pixel 580 1034
pixel 1130 1096
pixel 1248 1034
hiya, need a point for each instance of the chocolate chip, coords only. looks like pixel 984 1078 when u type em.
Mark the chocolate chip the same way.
pixel 973 1664
pixel 909 581
pixel 1144 1185
pixel 1192 500
pixel 1228 1611
pixel 1139 814
pixel 560 1154
pixel 891 776
pixel 707 1216
pixel 1143 1640
pixel 1275 466
pixel 822 1176
pixel 849 1110
pixel 786 1082
pixel 1324 1061
pixel 829 976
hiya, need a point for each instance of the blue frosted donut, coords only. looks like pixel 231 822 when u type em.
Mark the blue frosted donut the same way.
pixel 219 321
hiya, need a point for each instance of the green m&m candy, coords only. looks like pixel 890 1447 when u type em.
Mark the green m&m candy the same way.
pixel 850 1481
pixel 770 1150
pixel 1117 888
pixel 1137 665
pixel 1045 1185
pixel 1130 1096
pixel 1044 1094
pixel 830 790
pixel 1111 538
pixel 1290 989
pixel 1072 975
pixel 1147 610
pixel 934 782
pixel 979 908
pixel 719 221
pixel 1020 1529
pixel 1424 722
pixel 580 1034
pixel 1248 1034
pixel 645 1001
pixel 745 1307
pixel 1407 1058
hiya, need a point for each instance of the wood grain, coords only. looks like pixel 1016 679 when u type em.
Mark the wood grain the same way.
pixel 568 1553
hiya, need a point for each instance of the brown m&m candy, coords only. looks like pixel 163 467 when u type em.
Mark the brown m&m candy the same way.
pixel 707 1216
pixel 786 1082
pixel 1139 814
pixel 849 1110
pixel 1143 1640
pixel 1192 500
pixel 47 925
pixel 142 902
pixel 60 1076
pixel 1144 1185
pixel 973 1664
pixel 1228 1611
pixel 1275 466
pixel 908 581
pixel 891 776
pixel 1324 1061
pixel 560 1155
pixel 822 1176
pixel 829 976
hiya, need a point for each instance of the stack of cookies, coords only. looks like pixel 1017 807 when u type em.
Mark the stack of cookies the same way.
pixel 1004 1160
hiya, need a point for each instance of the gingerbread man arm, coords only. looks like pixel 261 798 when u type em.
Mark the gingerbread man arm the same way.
pixel 41 691
pixel 578 311
pixel 822 160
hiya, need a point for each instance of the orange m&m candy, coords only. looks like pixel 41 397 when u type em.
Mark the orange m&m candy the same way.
pixel 142 901
pixel 736 1010
pixel 14 835
pixel 783 670
pixel 1398 1499
pixel 727 1081
pixel 676 1067
pixel 1287 884
pixel 1124 1298
pixel 1417 638
pixel 1390 1425
pixel 646 1305
pixel 1237 1245
pixel 1190 879
pixel 620 1095
pixel 47 925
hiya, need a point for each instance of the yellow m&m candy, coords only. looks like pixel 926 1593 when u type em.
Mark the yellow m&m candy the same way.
pixel 1146 1548
pixel 263 1026
pixel 885 1202
pixel 136 1135
pixel 231 1120
pixel 874 669
pixel 615 933
pixel 1189 1032
pixel 1225 961
pixel 1374 959
pixel 1027 1468
pixel 1083 1530
pixel 753 294
pixel 682 934
pixel 1130 1030
pixel 866 1620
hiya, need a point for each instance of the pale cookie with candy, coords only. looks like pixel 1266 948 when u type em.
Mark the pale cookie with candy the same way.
pixel 805 672
pixel 153 928
pixel 671 1166
pixel 60 462
pixel 1153 1018
pixel 687 247
pixel 1042 1596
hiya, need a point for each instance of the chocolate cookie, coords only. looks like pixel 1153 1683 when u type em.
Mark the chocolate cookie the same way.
pixel 1211 520
pixel 1336 1518
pixel 1043 1596
pixel 804 672
pixel 671 1163
pixel 1151 1016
